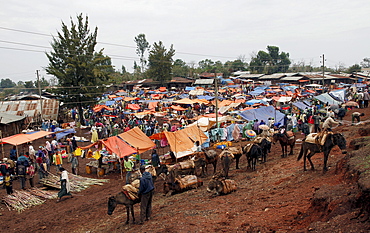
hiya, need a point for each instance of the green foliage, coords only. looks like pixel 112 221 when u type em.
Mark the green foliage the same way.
pixel 354 68
pixel 160 63
pixel 180 68
pixel 365 62
pixel 7 83
pixel 43 83
pixel 141 46
pixel 270 62
pixel 76 65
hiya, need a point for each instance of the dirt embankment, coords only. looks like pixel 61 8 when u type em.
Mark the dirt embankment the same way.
pixel 345 207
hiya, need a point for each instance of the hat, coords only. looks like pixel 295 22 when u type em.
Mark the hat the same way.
pixel 5 159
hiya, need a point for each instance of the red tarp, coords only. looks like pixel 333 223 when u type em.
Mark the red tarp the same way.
pixel 133 106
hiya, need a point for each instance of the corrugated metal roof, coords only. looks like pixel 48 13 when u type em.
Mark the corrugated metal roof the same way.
pixel 204 81
pixel 251 75
pixel 272 76
pixel 6 118
pixel 292 78
pixel 31 108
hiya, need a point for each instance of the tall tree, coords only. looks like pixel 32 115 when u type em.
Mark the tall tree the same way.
pixel 76 65
pixel 365 62
pixel 160 63
pixel 270 62
pixel 354 68
pixel 141 46
pixel 180 68
pixel 7 83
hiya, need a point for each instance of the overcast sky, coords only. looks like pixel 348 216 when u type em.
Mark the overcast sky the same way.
pixel 198 29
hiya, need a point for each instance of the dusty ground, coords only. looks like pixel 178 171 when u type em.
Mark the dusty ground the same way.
pixel 275 198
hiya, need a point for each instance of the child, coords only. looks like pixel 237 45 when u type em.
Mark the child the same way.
pixel 8 182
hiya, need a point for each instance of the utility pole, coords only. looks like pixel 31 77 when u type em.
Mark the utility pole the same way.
pixel 216 96
pixel 323 71
pixel 39 87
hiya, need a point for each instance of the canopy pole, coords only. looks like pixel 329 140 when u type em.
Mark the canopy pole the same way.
pixel 216 95
pixel 2 145
pixel 120 166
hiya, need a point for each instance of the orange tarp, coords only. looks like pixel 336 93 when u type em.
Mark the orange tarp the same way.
pixel 130 98
pixel 180 140
pixel 145 112
pixel 225 103
pixel 152 105
pixel 112 96
pixel 19 139
pixel 184 101
pixel 239 101
pixel 162 89
pixel 158 136
pixel 201 101
pixel 133 106
pixel 98 108
pixel 136 138
pixel 178 108
pixel 119 147
pixel 289 93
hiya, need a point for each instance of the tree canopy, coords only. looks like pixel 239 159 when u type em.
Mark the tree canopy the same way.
pixel 141 46
pixel 80 70
pixel 270 62
pixel 160 63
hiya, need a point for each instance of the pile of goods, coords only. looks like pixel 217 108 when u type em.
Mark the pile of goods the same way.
pixel 188 164
pixel 78 183
pixel 188 181
pixel 21 200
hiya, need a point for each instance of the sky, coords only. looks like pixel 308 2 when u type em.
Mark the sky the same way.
pixel 197 29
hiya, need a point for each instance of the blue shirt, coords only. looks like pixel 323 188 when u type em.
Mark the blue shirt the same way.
pixel 146 183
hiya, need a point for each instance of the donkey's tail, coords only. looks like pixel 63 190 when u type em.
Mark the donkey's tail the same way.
pixel 300 152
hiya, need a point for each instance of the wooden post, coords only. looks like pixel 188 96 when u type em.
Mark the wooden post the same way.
pixel 2 145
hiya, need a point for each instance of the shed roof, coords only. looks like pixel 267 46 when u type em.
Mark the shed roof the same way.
pixel 9 118
pixel 204 81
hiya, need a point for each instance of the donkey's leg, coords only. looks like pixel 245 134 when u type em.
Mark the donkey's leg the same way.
pixel 326 156
pixel 309 159
pixel 128 214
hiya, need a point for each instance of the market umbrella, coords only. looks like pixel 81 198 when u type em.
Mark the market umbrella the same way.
pixel 250 133
pixel 263 127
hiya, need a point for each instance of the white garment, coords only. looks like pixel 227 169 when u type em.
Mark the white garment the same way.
pixel 64 176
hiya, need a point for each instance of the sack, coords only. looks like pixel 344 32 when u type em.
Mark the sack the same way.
pixel 21 170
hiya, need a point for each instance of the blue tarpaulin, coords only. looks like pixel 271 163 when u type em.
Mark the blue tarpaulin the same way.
pixel 255 101
pixel 110 102
pixel 64 133
pixel 300 105
pixel 263 113
pixel 189 88
pixel 206 97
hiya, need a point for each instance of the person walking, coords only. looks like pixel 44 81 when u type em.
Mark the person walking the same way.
pixel 155 159
pixel 356 116
pixel 328 123
pixel 65 186
pixel 8 183
pixel 74 162
pixel 21 172
pixel 146 190
pixel 366 98
pixel 129 166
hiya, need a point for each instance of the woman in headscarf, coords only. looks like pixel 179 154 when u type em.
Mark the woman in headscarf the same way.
pixel 65 186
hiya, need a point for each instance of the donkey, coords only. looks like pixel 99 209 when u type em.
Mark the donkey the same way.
pixel 122 199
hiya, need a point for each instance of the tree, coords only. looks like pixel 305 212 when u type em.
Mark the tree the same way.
pixel 7 83
pixel 141 46
pixel 180 68
pixel 270 62
pixel 365 62
pixel 160 63
pixel 76 65
pixel 43 83
pixel 354 68
pixel 29 84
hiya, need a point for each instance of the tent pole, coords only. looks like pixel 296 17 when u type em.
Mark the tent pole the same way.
pixel 2 145
pixel 120 166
